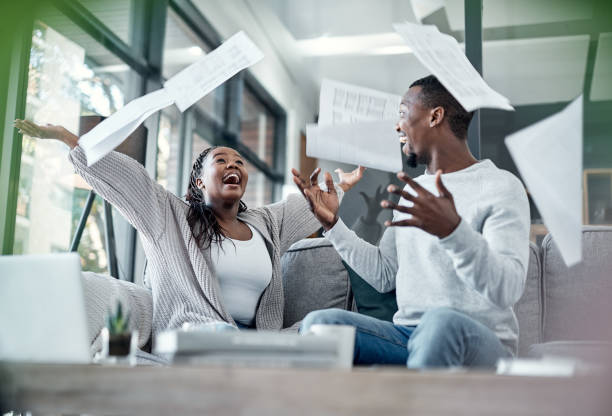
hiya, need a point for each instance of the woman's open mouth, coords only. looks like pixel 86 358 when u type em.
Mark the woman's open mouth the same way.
pixel 231 179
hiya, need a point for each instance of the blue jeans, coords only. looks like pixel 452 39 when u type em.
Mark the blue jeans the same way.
pixel 443 338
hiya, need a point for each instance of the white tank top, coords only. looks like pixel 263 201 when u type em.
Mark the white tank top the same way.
pixel 244 270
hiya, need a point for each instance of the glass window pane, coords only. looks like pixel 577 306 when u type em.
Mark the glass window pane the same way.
pixel 257 127
pixel 537 55
pixel 168 143
pixel 115 14
pixel 182 47
pixel 65 82
pixel 199 144
pixel 259 188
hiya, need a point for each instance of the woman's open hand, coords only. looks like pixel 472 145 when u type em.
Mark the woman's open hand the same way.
pixel 48 131
pixel 324 204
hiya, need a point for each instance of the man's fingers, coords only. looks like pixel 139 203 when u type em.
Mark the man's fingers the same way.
pixel 411 222
pixel 400 208
pixel 441 188
pixel 413 184
pixel 397 191
pixel 314 176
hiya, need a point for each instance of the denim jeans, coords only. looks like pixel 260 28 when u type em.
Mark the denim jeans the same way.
pixel 443 338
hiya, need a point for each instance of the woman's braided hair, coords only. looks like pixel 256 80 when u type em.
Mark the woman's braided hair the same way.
pixel 201 219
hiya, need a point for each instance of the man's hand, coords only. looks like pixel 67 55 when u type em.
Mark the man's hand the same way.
pixel 349 179
pixel 46 132
pixel 324 204
pixel 436 215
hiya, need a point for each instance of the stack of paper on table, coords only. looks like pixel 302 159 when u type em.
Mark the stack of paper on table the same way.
pixel 251 348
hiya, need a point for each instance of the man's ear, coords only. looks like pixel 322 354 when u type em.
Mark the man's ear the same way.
pixel 436 116
pixel 200 184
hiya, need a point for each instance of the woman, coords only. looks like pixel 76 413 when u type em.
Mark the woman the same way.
pixel 212 259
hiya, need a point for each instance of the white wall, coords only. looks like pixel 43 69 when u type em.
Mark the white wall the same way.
pixel 230 16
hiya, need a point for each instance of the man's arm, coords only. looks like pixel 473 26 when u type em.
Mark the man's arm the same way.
pixel 375 265
pixel 494 263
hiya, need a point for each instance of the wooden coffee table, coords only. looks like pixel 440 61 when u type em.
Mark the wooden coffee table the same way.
pixel 95 389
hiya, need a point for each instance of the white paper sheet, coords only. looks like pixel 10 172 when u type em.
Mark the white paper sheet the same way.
pixel 115 129
pixel 341 103
pixel 442 55
pixel 212 70
pixel 367 144
pixel 548 155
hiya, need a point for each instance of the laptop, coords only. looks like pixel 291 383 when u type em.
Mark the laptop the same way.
pixel 42 309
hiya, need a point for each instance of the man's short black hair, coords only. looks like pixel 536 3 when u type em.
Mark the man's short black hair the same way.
pixel 434 94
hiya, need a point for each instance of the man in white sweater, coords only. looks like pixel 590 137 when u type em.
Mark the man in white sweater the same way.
pixel 456 251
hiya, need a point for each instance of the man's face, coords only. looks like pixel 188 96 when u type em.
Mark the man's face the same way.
pixel 413 128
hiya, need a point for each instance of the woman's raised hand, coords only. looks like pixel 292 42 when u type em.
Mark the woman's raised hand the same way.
pixel 48 131
pixel 324 204
pixel 349 179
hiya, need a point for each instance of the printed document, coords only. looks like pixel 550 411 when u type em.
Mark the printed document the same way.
pixel 548 155
pixel 194 82
pixel 183 89
pixel 110 133
pixel 442 55
pixel 373 144
pixel 341 103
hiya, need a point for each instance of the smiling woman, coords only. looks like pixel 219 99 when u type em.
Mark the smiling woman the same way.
pixel 194 279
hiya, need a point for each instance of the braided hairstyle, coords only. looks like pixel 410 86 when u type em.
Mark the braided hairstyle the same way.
pixel 205 228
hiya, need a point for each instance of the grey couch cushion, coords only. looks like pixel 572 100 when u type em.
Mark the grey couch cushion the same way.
pixel 102 292
pixel 588 351
pixel 313 278
pixel 529 308
pixel 577 302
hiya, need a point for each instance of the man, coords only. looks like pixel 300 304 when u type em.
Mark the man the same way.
pixel 456 251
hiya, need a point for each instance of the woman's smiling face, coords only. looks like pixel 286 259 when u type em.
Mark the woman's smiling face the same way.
pixel 224 176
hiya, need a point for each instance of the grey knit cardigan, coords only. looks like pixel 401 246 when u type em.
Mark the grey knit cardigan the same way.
pixel 182 279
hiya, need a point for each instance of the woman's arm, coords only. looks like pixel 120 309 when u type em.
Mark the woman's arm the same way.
pixel 294 216
pixel 116 177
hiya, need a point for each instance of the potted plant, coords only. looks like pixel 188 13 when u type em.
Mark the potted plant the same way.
pixel 119 336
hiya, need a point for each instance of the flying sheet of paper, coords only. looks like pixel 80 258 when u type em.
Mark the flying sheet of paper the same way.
pixel 442 55
pixel 367 144
pixel 212 70
pixel 345 103
pixel 548 155
pixel 115 129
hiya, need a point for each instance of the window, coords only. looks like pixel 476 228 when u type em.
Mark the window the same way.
pixel 168 143
pixel 542 60
pixel 115 14
pixel 182 47
pixel 257 127
pixel 68 77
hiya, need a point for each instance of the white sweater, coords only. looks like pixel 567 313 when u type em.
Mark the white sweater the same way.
pixel 479 269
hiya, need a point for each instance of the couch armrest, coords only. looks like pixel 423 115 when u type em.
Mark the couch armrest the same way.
pixel 101 293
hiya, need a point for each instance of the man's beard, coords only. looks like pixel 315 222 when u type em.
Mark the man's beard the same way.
pixel 412 160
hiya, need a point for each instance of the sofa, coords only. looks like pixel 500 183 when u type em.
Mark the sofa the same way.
pixel 563 311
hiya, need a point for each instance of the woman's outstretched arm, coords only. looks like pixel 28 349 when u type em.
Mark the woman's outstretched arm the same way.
pixel 116 177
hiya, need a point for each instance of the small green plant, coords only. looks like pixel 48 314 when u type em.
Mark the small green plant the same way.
pixel 116 322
